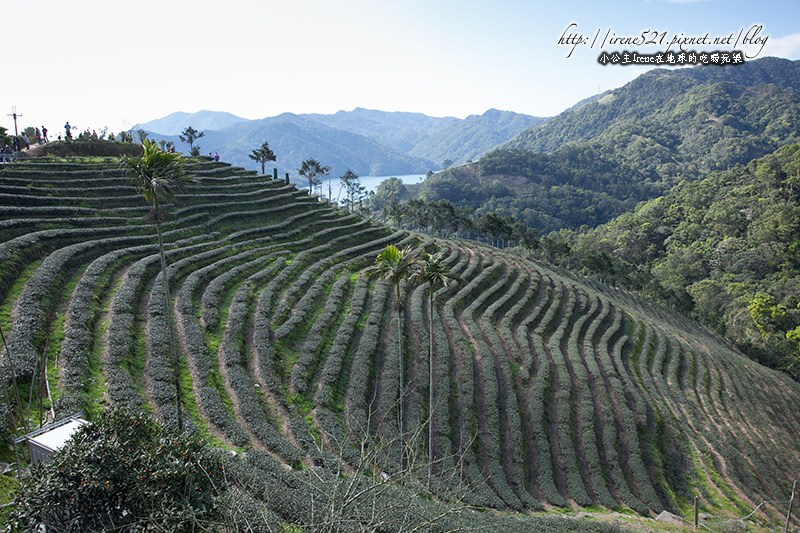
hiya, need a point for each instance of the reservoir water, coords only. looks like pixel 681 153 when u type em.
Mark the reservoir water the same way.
pixel 371 182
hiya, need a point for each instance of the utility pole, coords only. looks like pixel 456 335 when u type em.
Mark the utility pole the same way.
pixel 15 115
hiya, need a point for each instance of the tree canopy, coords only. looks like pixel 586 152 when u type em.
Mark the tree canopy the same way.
pixel 314 172
pixel 263 154
pixel 723 250
pixel 123 472
pixel 190 135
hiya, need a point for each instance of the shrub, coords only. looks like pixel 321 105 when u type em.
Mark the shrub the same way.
pixel 332 379
pixel 123 472
pixel 358 383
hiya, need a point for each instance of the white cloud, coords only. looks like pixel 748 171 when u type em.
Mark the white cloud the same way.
pixel 787 47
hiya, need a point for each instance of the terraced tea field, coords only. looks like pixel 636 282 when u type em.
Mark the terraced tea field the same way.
pixel 549 390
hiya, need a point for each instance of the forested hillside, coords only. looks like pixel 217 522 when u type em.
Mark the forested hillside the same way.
pixel 660 93
pixel 725 250
pixel 548 390
pixel 598 161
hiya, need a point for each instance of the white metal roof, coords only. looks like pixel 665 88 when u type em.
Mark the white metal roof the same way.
pixel 57 437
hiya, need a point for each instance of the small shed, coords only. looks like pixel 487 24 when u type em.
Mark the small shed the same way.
pixel 43 442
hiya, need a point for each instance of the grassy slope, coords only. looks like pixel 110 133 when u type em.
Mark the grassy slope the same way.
pixel 550 391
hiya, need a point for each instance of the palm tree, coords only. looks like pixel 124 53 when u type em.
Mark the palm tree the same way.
pixel 432 269
pixel 396 266
pixel 158 175
pixel 263 154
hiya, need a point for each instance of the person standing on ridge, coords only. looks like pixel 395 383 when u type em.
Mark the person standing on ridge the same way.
pixel 67 128
pixel 44 135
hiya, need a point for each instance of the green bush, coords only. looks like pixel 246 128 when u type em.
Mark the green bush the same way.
pixel 123 472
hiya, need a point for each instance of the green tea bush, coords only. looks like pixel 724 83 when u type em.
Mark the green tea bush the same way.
pixel 35 303
pixel 565 423
pixel 232 268
pixel 333 377
pixel 122 385
pixel 488 399
pixel 616 452
pixel 262 342
pixel 356 399
pixel 305 366
pixel 206 373
pixel 586 432
pixel 81 316
pixel 253 410
pixel 296 314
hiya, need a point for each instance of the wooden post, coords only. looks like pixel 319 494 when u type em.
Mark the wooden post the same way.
pixel 695 513
pixel 274 173
pixel 791 502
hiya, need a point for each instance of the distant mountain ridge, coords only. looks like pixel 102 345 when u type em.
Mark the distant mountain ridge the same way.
pixel 175 123
pixel 369 142
pixel 294 138
pixel 431 138
pixel 595 161
pixel 647 94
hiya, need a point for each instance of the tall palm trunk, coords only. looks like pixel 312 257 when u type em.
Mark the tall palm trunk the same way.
pixel 168 307
pixel 430 385
pixel 402 384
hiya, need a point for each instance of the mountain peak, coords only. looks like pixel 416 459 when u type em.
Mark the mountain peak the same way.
pixel 175 123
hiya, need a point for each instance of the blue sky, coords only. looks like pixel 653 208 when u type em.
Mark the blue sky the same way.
pixel 101 63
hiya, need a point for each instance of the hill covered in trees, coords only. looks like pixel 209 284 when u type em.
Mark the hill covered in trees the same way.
pixel 723 250
pixel 590 164
pixel 548 390
pixel 691 95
